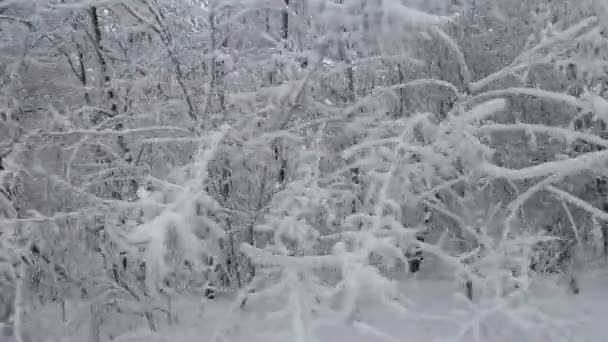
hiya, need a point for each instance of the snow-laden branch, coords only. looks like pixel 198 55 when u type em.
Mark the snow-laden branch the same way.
pixel 182 213
pixel 39 218
pixel 370 100
pixel 534 92
pixel 514 207
pixel 25 22
pixel 385 183
pixel 567 34
pixel 141 18
pixel 72 158
pixel 443 186
pixel 396 10
pixel 427 152
pixel 295 96
pixel 423 82
pixel 465 73
pixel 81 4
pixel 527 58
pixel 351 151
pixel 556 132
pixel 6 207
pixel 568 197
pixel 573 224
pixel 482 239
pixel 484 110
pixel 449 260
pixel 340 67
pixel 120 132
pixel 570 166
pixel 264 258
pixel 477 86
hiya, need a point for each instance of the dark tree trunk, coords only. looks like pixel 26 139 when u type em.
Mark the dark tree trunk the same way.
pixel 285 21
pixel 468 285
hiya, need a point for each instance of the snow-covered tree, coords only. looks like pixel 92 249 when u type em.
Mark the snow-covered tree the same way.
pixel 309 148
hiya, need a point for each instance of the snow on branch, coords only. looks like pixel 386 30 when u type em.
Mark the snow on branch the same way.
pixel 81 4
pixel 424 82
pixel 142 18
pixel 527 58
pixel 557 132
pixel 440 187
pixel 120 132
pixel 40 218
pixel 570 166
pixel 465 73
pixel 567 34
pixel 264 258
pixel 573 225
pixel 534 92
pixel 477 86
pixel 395 10
pixel 181 215
pixel 6 207
pixel 484 110
pixel 568 197
pixel 19 20
pixel 515 205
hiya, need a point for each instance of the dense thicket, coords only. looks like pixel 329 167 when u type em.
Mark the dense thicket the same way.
pixel 309 148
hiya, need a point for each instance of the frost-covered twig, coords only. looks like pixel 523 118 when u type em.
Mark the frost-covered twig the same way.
pixel 25 22
pixel 563 195
pixel 567 34
pixel 526 58
pixel 516 205
pixel 573 224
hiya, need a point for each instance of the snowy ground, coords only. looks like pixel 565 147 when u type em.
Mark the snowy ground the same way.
pixel 586 321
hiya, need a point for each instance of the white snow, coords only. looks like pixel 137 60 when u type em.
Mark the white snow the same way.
pixel 435 313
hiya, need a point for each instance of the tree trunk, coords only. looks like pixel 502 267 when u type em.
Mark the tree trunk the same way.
pixel 103 64
pixel 19 311
pixel 64 317
pixel 468 285
pixel 95 324
pixel 285 21
pixel 605 239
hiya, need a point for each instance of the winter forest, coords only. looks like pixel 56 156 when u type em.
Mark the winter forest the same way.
pixel 303 170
